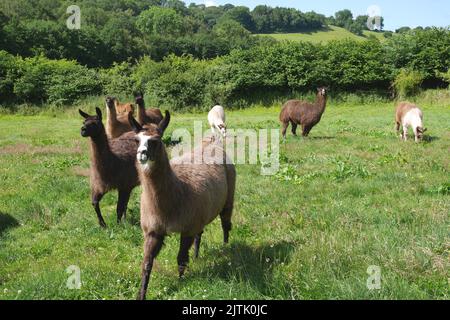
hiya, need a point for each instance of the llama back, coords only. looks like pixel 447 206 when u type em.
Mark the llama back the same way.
pixel 405 107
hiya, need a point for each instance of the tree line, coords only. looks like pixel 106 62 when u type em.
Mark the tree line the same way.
pixel 414 58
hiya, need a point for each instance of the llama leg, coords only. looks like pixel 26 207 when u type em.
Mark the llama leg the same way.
pixel 225 217
pixel 405 133
pixel 306 130
pixel 122 203
pixel 96 198
pixel 285 125
pixel 198 239
pixel 183 253
pixel 152 245
pixel 294 128
pixel 397 127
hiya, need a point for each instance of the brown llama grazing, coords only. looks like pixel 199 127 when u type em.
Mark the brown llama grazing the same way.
pixel 178 196
pixel 116 125
pixel 146 116
pixel 123 108
pixel 408 114
pixel 112 164
pixel 304 113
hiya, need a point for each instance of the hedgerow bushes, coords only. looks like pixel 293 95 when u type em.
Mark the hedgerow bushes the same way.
pixel 237 79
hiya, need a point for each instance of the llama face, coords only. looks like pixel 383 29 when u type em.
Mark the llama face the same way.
pixel 110 102
pixel 92 125
pixel 149 147
pixel 322 91
pixel 223 129
pixel 420 131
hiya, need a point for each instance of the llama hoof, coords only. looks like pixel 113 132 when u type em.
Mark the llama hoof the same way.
pixel 102 224
pixel 181 270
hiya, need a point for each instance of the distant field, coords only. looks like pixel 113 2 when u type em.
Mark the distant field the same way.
pixel 349 196
pixel 335 33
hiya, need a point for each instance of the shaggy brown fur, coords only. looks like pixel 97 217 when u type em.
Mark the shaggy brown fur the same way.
pixel 116 125
pixel 180 198
pixel 146 116
pixel 112 164
pixel 304 113
pixel 123 108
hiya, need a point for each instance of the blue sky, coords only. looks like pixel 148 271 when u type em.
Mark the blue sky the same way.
pixel 397 13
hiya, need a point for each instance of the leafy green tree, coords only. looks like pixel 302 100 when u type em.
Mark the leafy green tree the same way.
pixel 241 15
pixel 161 21
pixel 343 18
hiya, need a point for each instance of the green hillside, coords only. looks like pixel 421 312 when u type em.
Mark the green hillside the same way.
pixel 325 35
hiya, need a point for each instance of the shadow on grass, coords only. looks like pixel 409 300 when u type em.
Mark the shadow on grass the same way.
pixel 429 139
pixel 322 138
pixel 253 264
pixel 6 222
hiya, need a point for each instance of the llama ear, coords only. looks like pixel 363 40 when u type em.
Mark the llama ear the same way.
pixel 133 123
pixel 99 113
pixel 83 114
pixel 164 122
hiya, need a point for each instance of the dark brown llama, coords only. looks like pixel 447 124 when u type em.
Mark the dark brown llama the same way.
pixel 179 196
pixel 112 164
pixel 303 113
pixel 146 116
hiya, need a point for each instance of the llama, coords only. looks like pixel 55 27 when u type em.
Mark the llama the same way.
pixel 112 164
pixel 408 114
pixel 179 197
pixel 115 125
pixel 123 108
pixel 146 116
pixel 304 113
pixel 216 119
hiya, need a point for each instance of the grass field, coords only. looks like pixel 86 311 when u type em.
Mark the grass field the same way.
pixel 350 196
pixel 333 33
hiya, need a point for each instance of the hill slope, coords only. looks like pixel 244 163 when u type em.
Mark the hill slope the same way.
pixel 325 35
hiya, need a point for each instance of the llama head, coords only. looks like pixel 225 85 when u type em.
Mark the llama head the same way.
pixel 110 102
pixel 322 91
pixel 149 137
pixel 92 125
pixel 139 98
pixel 223 129
pixel 420 132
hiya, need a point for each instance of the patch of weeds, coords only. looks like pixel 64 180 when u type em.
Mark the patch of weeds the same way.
pixel 344 169
pixel 389 158
pixel 289 173
pixel 443 189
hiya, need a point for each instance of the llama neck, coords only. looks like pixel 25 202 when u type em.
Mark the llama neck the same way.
pixel 111 114
pixel 321 102
pixel 100 150
pixel 159 183
pixel 140 113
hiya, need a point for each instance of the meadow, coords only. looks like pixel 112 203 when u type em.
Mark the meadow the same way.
pixel 325 35
pixel 350 196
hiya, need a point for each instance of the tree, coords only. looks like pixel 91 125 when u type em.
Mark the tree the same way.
pixel 242 15
pixel 402 30
pixel 343 18
pixel 162 21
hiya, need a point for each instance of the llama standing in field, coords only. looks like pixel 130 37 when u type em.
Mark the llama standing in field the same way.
pixel 112 164
pixel 216 119
pixel 146 116
pixel 123 108
pixel 304 113
pixel 178 196
pixel 116 125
pixel 408 114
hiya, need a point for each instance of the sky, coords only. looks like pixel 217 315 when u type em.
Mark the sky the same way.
pixel 396 13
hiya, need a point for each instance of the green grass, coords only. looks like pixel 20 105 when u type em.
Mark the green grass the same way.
pixel 350 196
pixel 333 33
